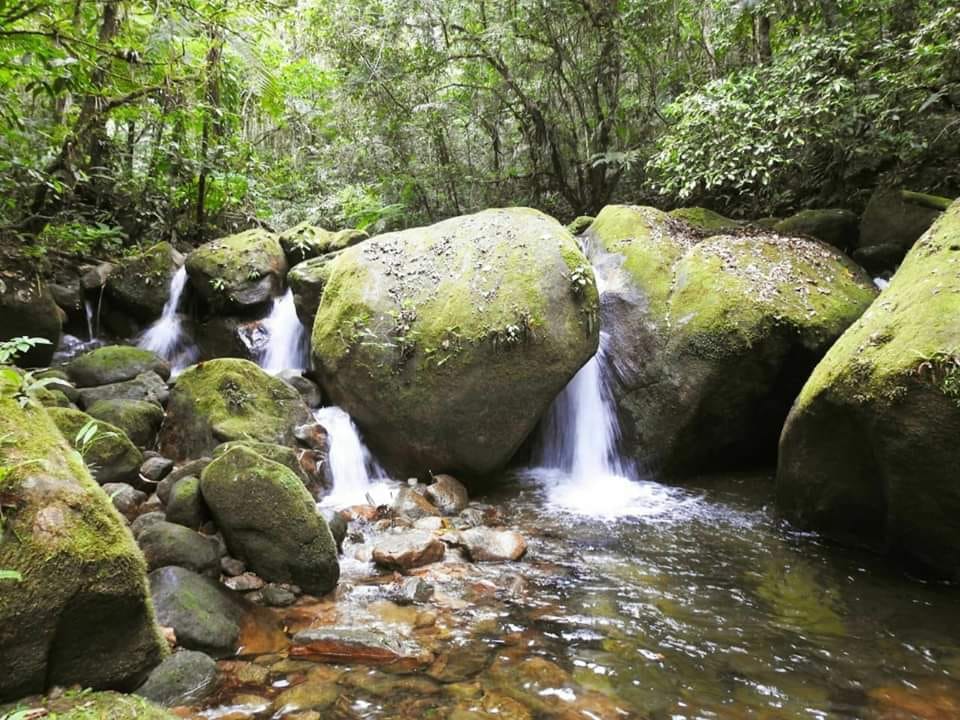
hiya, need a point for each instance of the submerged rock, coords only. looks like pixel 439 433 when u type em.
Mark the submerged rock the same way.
pixel 108 452
pixel 408 550
pixel 712 339
pixel 113 364
pixel 228 399
pixel 80 612
pixel 239 271
pixel 184 678
pixel 868 455
pixel 269 520
pixel 140 285
pixel 27 308
pixel 447 343
pixel 204 616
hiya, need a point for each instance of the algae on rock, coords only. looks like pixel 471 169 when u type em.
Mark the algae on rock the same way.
pixel 239 271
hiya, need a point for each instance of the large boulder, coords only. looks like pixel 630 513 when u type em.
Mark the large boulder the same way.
pixel 108 452
pixel 239 271
pixel 113 364
pixel 223 336
pixel 835 227
pixel 891 224
pixel 270 520
pixel 27 308
pixel 228 399
pixel 140 284
pixel 147 386
pixel 712 339
pixel 869 453
pixel 81 613
pixel 305 241
pixel 307 281
pixel 166 543
pixel 447 343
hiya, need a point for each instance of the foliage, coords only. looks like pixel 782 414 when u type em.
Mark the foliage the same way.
pixel 21 384
pixel 88 436
pixel 13 348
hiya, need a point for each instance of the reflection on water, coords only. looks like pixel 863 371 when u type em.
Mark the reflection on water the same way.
pixel 706 608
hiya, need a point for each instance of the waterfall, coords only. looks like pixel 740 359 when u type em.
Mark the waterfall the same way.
pixel 88 310
pixel 356 473
pixel 166 336
pixel 286 344
pixel 577 455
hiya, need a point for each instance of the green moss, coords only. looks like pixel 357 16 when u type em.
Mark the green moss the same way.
pixel 706 221
pixel 238 270
pixel 114 363
pixel 139 419
pixel 89 705
pixel 916 318
pixel 110 453
pixel 281 454
pixel 140 284
pixel 579 224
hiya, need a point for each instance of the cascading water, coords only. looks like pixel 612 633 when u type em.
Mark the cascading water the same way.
pixel 166 336
pixel 286 344
pixel 357 477
pixel 577 456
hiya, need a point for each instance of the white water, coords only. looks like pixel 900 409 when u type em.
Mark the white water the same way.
pixel 166 336
pixel 578 459
pixel 88 310
pixel 286 343
pixel 357 477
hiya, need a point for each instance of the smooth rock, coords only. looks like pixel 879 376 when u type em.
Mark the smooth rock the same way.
pixel 407 550
pixel 185 505
pixel 485 544
pixel 192 467
pixel 144 521
pixel 411 504
pixel 156 468
pixel 448 494
pixel 139 419
pixel 125 498
pixel 113 364
pixel 184 678
pixel 147 386
pixel 165 543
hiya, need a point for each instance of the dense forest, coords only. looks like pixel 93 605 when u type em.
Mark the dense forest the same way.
pixel 127 121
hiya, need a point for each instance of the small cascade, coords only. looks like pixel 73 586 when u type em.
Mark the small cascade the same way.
pixel 166 336
pixel 286 341
pixel 88 311
pixel 357 477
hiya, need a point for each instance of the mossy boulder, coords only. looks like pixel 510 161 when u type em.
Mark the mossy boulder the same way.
pixel 706 222
pixel 269 520
pixel 228 399
pixel 283 454
pixel 305 241
pixel 81 613
pixel 113 364
pixel 869 452
pixel 892 222
pixel 447 343
pixel 167 543
pixel 147 386
pixel 836 227
pixel 185 505
pixel 712 339
pixel 140 284
pixel 86 705
pixel 307 281
pixel 139 419
pixel 579 224
pixel 109 454
pixel 27 308
pixel 239 271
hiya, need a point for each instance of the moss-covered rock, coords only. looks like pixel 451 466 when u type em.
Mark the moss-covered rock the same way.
pixel 269 520
pixel 81 613
pixel 184 678
pixel 712 339
pixel 167 543
pixel 305 241
pixel 139 419
pixel 109 454
pixel 228 399
pixel 239 271
pixel 147 386
pixel 140 284
pixel 447 343
pixel 579 224
pixel 113 364
pixel 869 452
pixel 839 228
pixel 228 336
pixel 891 224
pixel 283 454
pixel 307 281
pixel 706 222
pixel 87 705
pixel 27 308
pixel 185 505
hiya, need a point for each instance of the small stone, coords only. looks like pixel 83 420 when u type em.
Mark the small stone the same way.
pixel 430 524
pixel 448 494
pixel 312 435
pixel 245 582
pixel 183 678
pixel 125 498
pixel 185 505
pixel 156 468
pixel 231 566
pixel 485 544
pixel 408 550
pixel 193 467
pixel 145 521
pixel 337 524
pixel 413 590
pixel 277 596
pixel 413 505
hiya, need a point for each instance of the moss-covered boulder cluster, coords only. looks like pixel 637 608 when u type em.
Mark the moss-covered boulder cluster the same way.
pixel 714 337
pixel 140 285
pixel 869 452
pixel 447 343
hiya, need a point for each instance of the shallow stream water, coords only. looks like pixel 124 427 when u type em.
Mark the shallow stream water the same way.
pixel 698 603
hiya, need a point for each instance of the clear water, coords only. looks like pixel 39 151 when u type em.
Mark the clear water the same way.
pixel 167 337
pixel 707 607
pixel 286 346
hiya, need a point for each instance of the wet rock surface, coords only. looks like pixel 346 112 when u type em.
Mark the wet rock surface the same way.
pixel 184 678
pixel 408 550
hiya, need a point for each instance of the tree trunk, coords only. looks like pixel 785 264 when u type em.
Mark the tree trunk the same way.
pixel 212 96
